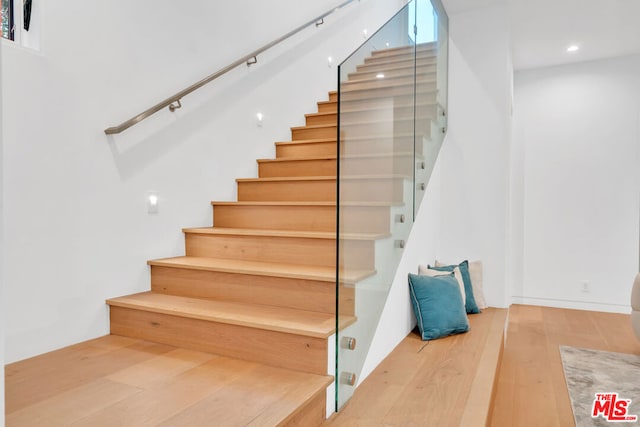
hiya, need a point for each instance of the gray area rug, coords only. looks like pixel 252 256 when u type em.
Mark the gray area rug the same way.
pixel 588 372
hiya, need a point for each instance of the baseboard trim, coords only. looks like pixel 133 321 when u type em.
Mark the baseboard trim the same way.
pixel 571 304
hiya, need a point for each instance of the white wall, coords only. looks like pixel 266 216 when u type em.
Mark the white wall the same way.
pixel 2 300
pixel 577 129
pixel 476 152
pixel 76 229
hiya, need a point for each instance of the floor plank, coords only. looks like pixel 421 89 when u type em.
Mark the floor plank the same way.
pixel 531 388
pixel 114 381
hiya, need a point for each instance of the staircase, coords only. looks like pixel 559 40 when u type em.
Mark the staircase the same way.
pixel 259 285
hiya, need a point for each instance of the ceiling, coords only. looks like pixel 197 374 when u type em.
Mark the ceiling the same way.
pixel 541 30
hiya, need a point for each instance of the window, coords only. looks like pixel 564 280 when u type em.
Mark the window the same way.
pixel 6 19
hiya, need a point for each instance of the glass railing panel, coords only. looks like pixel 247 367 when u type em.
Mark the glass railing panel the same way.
pixel 431 90
pixel 376 163
pixel 388 117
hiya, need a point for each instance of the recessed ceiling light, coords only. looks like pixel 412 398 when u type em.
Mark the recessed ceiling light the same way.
pixel 573 48
pixel 380 76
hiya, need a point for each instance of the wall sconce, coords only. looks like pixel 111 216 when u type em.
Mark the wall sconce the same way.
pixel 152 202
pixel 260 117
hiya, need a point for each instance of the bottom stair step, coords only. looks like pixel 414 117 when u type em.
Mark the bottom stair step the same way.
pixel 118 381
pixel 276 336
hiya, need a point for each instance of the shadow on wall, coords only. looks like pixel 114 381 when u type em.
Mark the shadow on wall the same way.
pixel 208 106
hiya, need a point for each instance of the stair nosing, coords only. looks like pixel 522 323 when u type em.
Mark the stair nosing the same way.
pixel 334 157
pixel 325 235
pixel 288 271
pixel 321 178
pixel 308 141
pixel 226 315
pixel 293 203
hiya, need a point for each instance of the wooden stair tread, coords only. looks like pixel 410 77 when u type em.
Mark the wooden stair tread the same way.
pixel 282 233
pixel 312 203
pixel 280 319
pixel 299 158
pixel 319 114
pixel 385 79
pixel 392 50
pixel 257 268
pixel 334 157
pixel 321 178
pixel 332 125
pixel 306 141
pixel 417 82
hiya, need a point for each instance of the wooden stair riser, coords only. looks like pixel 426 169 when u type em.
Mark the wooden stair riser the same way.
pixel 290 250
pixel 296 352
pixel 400 164
pixel 294 168
pixel 382 145
pixel 355 190
pixel 333 96
pixel 422 71
pixel 306 149
pixel 349 131
pixel 312 414
pixel 422 112
pixel 428 48
pixel 424 91
pixel 387 81
pixel 315 132
pixel 363 129
pixel 359 219
pixel 385 65
pixel 362 146
pixel 384 164
pixel 354 106
pixel 328 106
pixel 431 56
pixel 321 119
pixel 311 295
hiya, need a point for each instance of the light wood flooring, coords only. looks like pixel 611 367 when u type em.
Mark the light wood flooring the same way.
pixel 405 390
pixel 531 389
pixel 123 381
pixel 445 382
pixel 119 381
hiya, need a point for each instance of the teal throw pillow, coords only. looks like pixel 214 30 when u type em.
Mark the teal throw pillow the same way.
pixel 470 303
pixel 438 306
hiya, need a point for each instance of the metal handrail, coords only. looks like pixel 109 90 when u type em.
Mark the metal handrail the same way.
pixel 174 103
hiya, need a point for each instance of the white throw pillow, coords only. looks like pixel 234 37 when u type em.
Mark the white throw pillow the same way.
pixel 426 271
pixel 475 273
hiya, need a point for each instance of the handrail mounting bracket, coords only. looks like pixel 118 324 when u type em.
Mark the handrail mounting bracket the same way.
pixel 173 106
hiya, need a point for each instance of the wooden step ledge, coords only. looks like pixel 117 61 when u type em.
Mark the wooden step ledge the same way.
pixel 453 379
pixel 257 268
pixel 282 233
pixel 279 319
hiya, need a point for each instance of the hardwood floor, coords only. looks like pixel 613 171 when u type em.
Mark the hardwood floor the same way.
pixel 531 388
pixel 118 381
pixel 405 390
pixel 445 382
